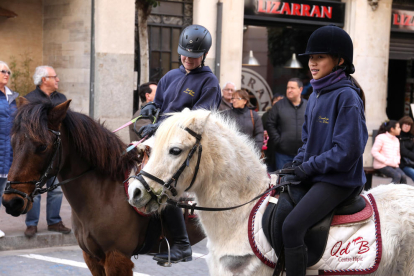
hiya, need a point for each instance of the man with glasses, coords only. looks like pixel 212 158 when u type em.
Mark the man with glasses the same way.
pixel 227 92
pixel 47 82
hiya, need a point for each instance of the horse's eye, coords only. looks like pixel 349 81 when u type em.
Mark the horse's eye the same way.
pixel 41 148
pixel 175 151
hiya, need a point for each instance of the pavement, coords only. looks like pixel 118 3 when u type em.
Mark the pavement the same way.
pixel 14 227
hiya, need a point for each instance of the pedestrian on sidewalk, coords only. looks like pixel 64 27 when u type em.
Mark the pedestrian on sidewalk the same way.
pixel 227 93
pixel 47 82
pixel 146 94
pixel 386 152
pixel 407 146
pixel 7 111
pixel 285 122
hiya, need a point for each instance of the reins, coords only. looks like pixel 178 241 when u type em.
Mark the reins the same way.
pixel 212 209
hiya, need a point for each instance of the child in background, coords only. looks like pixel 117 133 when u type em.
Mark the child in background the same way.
pixel 386 152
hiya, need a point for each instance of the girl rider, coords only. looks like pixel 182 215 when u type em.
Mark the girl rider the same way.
pixel 194 86
pixel 334 136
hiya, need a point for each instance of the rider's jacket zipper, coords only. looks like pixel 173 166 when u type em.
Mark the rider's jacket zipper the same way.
pixel 182 83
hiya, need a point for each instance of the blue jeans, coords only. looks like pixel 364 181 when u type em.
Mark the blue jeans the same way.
pixel 2 186
pixel 397 175
pixel 409 171
pixel 54 202
pixel 281 159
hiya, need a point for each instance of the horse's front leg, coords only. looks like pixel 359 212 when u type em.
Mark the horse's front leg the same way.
pixel 94 265
pixel 117 263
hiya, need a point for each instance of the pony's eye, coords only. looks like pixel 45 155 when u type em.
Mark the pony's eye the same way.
pixel 175 151
pixel 41 148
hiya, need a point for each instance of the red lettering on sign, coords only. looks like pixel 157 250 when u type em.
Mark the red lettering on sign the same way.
pixel 295 9
pixel 363 248
pixel 315 11
pixel 285 8
pixel 260 6
pixel 276 6
pixel 305 10
pixel 396 19
pixel 326 11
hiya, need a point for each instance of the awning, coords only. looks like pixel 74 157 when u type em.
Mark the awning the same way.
pixel 7 13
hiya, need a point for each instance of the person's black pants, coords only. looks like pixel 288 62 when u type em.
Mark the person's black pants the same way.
pixel 318 202
pixel 397 175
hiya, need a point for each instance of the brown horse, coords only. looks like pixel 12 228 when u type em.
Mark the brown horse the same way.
pixel 107 228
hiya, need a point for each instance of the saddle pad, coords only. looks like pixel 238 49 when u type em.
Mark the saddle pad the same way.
pixel 352 248
pixel 361 216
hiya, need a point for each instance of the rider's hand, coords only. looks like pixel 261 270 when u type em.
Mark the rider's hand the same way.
pixel 148 110
pixel 148 130
pixel 300 173
pixel 292 165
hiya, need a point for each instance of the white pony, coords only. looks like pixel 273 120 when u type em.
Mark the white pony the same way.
pixel 231 173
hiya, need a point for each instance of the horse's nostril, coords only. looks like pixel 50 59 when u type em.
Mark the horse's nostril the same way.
pixel 137 193
pixel 14 206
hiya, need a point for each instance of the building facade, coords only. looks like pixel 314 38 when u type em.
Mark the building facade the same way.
pixel 93 47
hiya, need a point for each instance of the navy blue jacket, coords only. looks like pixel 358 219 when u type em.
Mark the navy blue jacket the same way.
pixel 197 89
pixel 334 136
pixel 7 112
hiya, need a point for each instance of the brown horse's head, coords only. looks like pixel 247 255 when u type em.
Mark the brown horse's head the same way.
pixel 33 143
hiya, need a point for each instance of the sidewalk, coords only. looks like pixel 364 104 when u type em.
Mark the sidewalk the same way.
pixel 14 227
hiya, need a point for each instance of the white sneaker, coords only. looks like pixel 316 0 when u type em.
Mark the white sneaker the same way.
pixel 1 234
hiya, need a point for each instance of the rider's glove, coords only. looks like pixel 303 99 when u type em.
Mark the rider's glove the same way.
pixel 300 173
pixel 293 164
pixel 148 130
pixel 148 110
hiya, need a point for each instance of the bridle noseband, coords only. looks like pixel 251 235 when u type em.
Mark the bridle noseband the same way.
pixel 174 178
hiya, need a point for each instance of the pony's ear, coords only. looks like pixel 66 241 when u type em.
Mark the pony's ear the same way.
pixel 22 101
pixel 57 114
pixel 199 123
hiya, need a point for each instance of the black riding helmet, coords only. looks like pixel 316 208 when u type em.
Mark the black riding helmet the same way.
pixel 332 40
pixel 194 42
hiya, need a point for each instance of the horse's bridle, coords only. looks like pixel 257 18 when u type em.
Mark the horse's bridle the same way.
pixel 57 145
pixel 174 178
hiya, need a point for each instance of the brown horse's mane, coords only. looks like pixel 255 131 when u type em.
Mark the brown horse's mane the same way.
pixel 91 140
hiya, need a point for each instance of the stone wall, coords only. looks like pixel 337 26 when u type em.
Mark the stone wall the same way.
pixel 66 38
pixel 23 34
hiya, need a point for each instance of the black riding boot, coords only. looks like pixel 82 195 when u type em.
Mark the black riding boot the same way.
pixel 181 248
pixel 296 261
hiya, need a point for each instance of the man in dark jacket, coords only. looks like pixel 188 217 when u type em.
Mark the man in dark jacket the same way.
pixel 284 123
pixel 47 82
pixel 146 94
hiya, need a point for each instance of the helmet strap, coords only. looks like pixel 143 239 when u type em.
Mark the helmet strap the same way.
pixel 204 58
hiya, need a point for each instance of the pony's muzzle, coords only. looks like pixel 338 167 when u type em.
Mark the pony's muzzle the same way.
pixel 138 196
pixel 14 206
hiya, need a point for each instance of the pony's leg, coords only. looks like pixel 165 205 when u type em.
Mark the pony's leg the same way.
pixel 94 266
pixel 118 264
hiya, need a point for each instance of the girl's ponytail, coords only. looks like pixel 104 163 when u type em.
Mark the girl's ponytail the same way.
pixel 386 126
pixel 361 94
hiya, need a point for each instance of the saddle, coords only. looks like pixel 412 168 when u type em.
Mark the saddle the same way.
pixel 317 236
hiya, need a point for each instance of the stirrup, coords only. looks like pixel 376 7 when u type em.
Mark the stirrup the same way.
pixel 163 263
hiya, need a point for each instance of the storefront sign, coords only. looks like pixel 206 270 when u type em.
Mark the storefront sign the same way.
pixel 402 20
pixel 299 11
pixel 256 84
